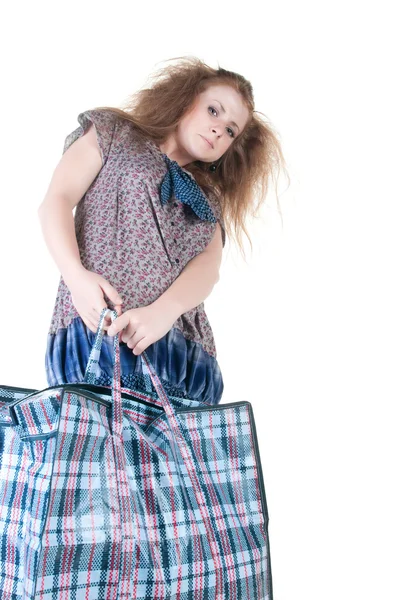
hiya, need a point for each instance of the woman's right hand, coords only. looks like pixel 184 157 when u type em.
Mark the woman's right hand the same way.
pixel 87 290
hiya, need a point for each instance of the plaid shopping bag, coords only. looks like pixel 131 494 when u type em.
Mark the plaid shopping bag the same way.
pixel 111 494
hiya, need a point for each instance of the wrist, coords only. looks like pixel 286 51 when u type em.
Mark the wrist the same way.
pixel 167 305
pixel 70 274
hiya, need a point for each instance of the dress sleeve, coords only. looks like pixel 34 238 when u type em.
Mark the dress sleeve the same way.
pixel 216 208
pixel 104 122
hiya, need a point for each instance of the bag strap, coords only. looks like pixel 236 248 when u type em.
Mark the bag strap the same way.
pixel 92 371
pixel 188 459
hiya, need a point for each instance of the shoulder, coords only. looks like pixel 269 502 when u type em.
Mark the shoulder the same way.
pixel 104 120
pixel 217 208
pixel 215 202
pixel 107 121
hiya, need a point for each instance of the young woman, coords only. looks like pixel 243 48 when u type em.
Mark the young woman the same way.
pixel 156 186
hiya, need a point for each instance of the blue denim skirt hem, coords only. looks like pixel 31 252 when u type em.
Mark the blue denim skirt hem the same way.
pixel 184 368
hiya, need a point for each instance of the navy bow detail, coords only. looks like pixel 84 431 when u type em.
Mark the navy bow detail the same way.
pixel 186 189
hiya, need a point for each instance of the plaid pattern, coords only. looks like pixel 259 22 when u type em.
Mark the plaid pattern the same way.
pixel 182 185
pixel 112 494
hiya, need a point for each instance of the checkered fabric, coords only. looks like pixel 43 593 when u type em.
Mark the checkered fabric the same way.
pixel 183 186
pixel 118 494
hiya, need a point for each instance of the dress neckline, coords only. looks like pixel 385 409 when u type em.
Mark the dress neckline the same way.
pixel 155 147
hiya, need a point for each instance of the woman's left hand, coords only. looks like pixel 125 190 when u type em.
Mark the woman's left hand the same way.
pixel 141 327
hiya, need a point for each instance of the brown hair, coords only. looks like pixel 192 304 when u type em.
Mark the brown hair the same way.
pixel 244 170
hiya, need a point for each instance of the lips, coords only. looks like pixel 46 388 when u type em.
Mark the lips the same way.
pixel 208 141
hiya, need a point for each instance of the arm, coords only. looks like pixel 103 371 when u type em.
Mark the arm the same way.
pixel 72 177
pixel 196 280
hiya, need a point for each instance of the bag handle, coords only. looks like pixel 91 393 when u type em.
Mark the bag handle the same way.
pixel 185 452
pixel 117 411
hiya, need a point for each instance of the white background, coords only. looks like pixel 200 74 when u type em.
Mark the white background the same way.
pixel 307 330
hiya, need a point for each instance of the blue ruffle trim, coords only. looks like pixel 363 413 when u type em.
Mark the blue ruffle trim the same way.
pixel 185 369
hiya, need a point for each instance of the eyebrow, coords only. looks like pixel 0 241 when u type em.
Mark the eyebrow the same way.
pixel 223 109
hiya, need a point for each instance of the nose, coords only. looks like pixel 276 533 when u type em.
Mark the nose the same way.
pixel 216 130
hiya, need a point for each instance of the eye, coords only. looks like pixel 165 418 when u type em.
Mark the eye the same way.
pixel 233 134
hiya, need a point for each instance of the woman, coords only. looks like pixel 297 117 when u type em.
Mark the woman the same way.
pixel 156 186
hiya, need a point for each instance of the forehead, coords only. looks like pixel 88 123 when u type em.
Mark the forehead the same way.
pixel 225 92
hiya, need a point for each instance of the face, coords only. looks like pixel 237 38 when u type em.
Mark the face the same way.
pixel 218 115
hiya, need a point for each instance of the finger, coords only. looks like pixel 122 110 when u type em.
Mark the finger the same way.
pixel 94 319
pixel 118 309
pixel 127 334
pixel 140 347
pixel 97 311
pixel 91 326
pixel 118 324
pixel 96 315
pixel 107 323
pixel 135 339
pixel 131 337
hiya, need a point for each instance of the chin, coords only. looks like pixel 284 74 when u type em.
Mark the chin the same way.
pixel 197 156
pixel 201 145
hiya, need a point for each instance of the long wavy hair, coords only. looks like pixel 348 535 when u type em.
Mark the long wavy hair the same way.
pixel 242 174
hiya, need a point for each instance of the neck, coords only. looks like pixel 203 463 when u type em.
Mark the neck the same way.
pixel 171 149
